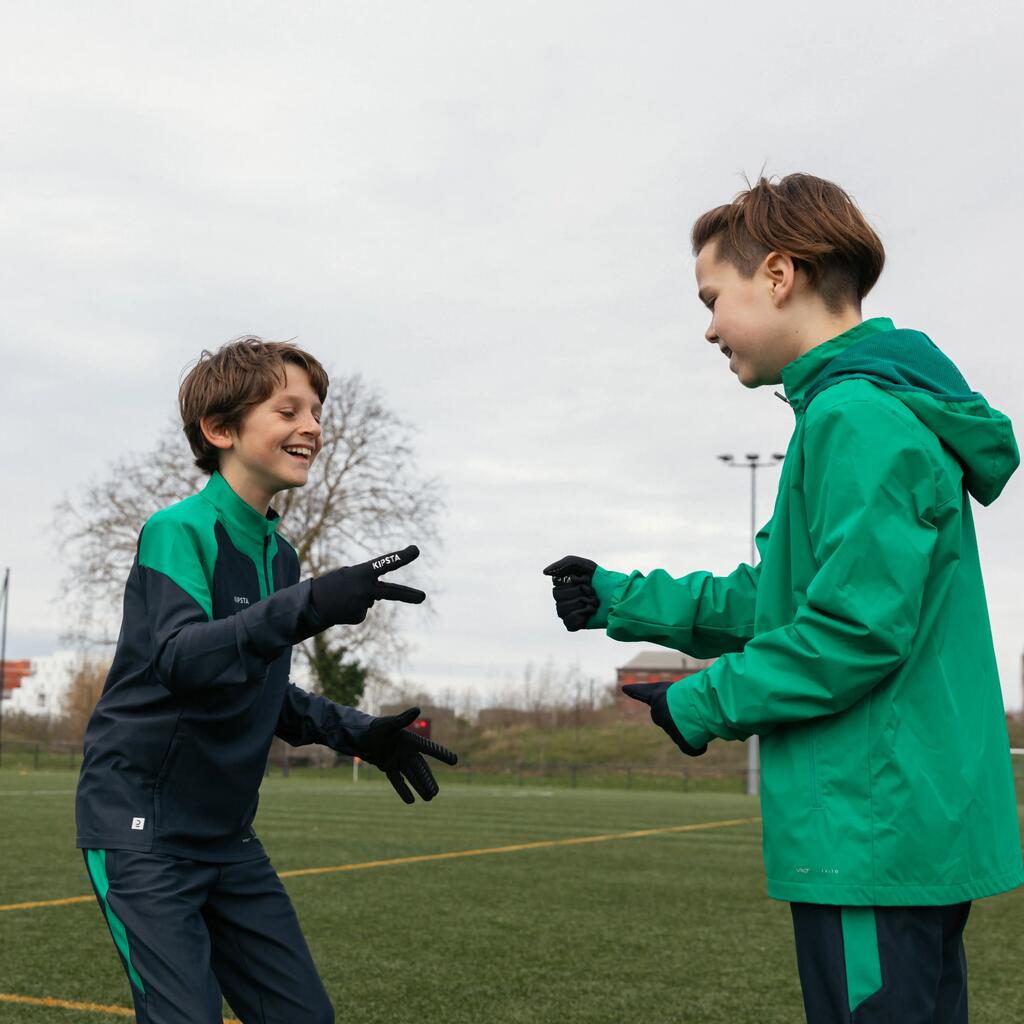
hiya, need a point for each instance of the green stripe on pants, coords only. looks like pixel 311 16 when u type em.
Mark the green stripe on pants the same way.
pixel 97 862
pixel 860 949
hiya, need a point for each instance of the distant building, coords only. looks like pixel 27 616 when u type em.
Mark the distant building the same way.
pixel 14 674
pixel 653 667
pixel 36 686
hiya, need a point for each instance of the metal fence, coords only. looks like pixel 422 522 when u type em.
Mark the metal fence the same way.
pixel 686 776
pixel 689 775
pixel 25 755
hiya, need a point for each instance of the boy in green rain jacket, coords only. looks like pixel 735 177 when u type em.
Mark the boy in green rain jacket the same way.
pixel 859 649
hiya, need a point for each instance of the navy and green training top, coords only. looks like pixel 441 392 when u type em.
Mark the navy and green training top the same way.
pixel 178 743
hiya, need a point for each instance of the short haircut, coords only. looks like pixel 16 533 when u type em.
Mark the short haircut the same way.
pixel 812 221
pixel 226 384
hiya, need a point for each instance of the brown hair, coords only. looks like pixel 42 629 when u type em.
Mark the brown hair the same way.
pixel 806 218
pixel 227 383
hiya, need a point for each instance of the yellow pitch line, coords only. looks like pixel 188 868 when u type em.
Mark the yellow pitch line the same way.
pixel 67 1004
pixel 451 855
pixel 48 903
pixel 518 847
pixel 71 1004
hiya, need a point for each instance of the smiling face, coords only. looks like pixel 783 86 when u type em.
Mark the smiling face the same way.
pixel 275 444
pixel 748 319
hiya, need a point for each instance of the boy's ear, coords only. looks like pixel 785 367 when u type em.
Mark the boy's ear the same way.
pixel 215 432
pixel 781 276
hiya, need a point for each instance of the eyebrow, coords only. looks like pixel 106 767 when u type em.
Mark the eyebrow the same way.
pixel 286 397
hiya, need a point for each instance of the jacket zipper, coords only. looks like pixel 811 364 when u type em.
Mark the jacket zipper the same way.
pixel 266 566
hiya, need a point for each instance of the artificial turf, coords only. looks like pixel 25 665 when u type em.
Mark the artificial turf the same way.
pixel 670 927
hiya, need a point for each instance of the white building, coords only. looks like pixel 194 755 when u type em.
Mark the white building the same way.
pixel 42 692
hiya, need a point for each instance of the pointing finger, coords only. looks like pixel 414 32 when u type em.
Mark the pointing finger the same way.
pixel 394 560
pixel 639 691
pixel 395 592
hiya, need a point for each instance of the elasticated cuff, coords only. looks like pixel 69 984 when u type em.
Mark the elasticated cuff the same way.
pixel 679 698
pixel 606 585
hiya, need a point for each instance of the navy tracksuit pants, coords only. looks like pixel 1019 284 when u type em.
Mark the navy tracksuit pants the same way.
pixel 882 965
pixel 188 932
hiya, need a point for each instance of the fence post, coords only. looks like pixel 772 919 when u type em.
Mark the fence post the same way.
pixel 284 764
pixel 629 778
pixel 71 757
pixel 35 757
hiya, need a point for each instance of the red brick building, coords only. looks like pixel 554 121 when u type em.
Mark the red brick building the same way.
pixel 13 672
pixel 653 667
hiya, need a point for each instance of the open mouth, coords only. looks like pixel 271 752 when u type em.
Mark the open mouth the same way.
pixel 727 352
pixel 300 453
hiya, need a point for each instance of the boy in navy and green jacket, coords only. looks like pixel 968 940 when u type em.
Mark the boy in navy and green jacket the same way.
pixel 199 687
pixel 859 648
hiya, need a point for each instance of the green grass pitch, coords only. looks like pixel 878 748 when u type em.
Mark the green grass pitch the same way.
pixel 673 927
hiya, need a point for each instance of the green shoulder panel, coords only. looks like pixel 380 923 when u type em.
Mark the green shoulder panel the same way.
pixel 179 542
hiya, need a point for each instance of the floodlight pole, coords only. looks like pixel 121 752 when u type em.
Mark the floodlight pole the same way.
pixel 753 463
pixel 3 659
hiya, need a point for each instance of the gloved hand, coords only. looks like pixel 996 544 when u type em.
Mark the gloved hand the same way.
pixel 345 595
pixel 399 754
pixel 653 694
pixel 575 598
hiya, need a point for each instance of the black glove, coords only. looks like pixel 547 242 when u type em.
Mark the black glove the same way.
pixel 399 754
pixel 575 599
pixel 345 595
pixel 653 694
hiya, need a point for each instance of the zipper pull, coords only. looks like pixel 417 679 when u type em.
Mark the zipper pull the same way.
pixel 781 397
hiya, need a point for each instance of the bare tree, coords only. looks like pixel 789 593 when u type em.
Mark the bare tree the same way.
pixel 365 495
pixel 81 696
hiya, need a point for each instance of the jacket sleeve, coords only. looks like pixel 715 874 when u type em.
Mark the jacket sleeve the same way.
pixel 870 494
pixel 700 614
pixel 191 651
pixel 309 718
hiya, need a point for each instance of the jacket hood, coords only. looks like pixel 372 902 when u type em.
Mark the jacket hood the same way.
pixel 910 367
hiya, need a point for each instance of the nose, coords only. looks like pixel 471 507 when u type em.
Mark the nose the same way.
pixel 311 426
pixel 711 334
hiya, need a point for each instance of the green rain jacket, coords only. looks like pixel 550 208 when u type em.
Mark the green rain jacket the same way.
pixel 859 649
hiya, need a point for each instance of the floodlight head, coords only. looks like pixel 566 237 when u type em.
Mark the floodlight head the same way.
pixel 753 458
pixel 778 456
pixel 725 458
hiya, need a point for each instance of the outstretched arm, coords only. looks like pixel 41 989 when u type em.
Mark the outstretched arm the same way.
pixel 193 651
pixel 701 614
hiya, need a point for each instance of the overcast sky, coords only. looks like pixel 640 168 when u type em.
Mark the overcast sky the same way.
pixel 484 208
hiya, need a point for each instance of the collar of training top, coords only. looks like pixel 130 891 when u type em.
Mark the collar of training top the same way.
pixel 798 375
pixel 238 513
